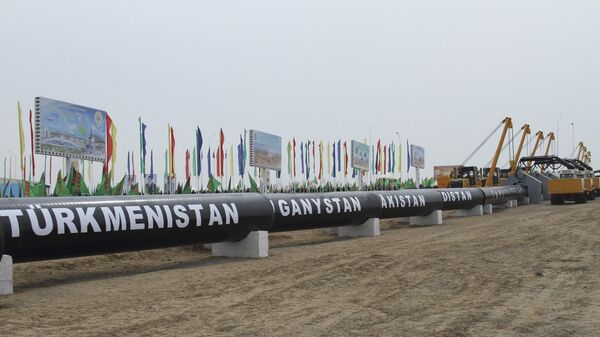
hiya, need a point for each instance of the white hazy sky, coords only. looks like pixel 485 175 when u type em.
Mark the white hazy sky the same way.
pixel 441 73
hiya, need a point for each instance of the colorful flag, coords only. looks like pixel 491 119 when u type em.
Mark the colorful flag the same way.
pixel 21 140
pixel 241 157
pixel 172 152
pixel 384 159
pixel 143 148
pixel 333 172
pixel 400 158
pixel 407 157
pixel 345 159
pixel 329 157
pixel 302 157
pixel 199 149
pixel 320 160
pixel 220 154
pixel 294 149
pixel 339 156
pixel 194 162
pixel 187 164
pixel 151 162
pixel 377 157
pixel 128 164
pixel 289 158
pixel 31 138
pixel 208 164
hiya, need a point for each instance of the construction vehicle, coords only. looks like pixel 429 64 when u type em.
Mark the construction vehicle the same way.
pixel 539 136
pixel 572 184
pixel 526 131
pixel 471 176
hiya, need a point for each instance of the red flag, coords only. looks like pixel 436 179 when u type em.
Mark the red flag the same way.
pixel 378 164
pixel 32 155
pixel 109 145
pixel 345 159
pixel 221 155
pixel 172 152
pixel 187 164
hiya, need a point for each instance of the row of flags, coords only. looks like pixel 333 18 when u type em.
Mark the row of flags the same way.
pixel 305 159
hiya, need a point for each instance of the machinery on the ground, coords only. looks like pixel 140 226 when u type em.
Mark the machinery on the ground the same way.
pixel 575 181
pixel 463 176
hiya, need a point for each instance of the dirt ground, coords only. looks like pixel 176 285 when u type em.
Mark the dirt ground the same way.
pixel 530 271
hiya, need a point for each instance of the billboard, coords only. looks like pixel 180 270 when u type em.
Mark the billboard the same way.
pixel 69 130
pixel 417 156
pixel 265 150
pixel 360 156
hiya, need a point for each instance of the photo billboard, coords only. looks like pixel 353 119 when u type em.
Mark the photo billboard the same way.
pixel 417 156
pixel 265 150
pixel 360 156
pixel 69 130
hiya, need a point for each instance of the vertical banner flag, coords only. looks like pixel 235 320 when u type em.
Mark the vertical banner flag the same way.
pixel 294 150
pixel 302 157
pixel 339 156
pixel 109 146
pixel 194 162
pixel 407 157
pixel 377 157
pixel 32 171
pixel 289 158
pixel 21 140
pixel 307 157
pixel 166 163
pixel 151 162
pixel 143 149
pixel 221 155
pixel 345 159
pixel 128 164
pixel 400 159
pixel 187 164
pixel 320 159
pixel 385 159
pixel 241 157
pixel 172 152
pixel 333 172
pixel 314 158
pixel 199 149
pixel 209 168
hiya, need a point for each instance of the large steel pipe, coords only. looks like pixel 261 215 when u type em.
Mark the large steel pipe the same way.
pixel 502 194
pixel 46 228
pixel 305 211
pixel 461 198
pixel 407 203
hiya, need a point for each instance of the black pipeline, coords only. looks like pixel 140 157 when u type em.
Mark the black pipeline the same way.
pixel 47 228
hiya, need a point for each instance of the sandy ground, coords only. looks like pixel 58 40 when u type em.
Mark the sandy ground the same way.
pixel 530 271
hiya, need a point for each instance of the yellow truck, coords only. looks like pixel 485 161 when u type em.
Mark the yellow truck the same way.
pixel 572 185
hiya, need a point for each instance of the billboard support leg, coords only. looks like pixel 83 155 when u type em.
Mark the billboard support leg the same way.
pixel 6 275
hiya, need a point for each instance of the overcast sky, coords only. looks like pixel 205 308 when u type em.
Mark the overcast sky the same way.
pixel 441 73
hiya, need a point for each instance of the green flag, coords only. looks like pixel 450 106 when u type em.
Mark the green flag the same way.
pixel 118 189
pixel 39 189
pixel 134 190
pixel 253 186
pixel 187 189
pixel 213 184
pixel 60 189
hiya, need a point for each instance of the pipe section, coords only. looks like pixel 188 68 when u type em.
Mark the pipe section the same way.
pixel 46 228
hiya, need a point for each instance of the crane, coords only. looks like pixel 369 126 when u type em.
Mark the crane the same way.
pixel 539 136
pixel 490 177
pixel 526 131
pixel 550 138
